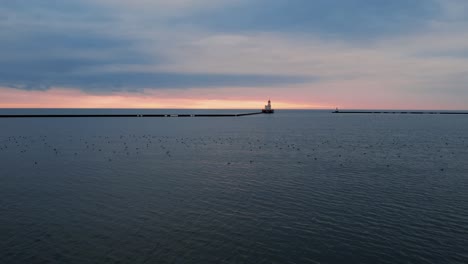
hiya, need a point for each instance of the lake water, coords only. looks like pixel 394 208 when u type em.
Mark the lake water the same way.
pixel 292 187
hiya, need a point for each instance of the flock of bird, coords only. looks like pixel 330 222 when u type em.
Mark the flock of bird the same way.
pixel 389 152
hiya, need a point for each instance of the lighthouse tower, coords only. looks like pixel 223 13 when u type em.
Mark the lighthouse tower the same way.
pixel 268 109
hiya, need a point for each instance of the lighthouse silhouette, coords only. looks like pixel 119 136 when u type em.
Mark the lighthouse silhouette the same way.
pixel 268 109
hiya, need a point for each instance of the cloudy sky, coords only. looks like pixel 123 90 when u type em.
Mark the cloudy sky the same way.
pixel 362 54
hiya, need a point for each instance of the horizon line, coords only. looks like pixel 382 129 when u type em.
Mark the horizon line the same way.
pixel 183 108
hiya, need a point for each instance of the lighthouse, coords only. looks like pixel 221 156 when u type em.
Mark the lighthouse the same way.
pixel 268 109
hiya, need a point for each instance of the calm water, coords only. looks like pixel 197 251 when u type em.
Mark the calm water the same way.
pixel 293 187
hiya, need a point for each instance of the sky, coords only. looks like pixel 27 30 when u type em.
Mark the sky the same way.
pixel 301 54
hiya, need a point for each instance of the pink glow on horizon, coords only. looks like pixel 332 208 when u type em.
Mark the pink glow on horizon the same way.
pixel 189 99
pixel 359 95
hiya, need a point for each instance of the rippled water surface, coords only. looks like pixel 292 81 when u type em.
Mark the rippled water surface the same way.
pixel 292 187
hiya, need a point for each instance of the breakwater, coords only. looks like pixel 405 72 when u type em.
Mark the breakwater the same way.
pixel 127 115
pixel 402 112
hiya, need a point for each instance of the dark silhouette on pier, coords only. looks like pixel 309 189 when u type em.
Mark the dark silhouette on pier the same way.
pixel 130 115
pixel 267 110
